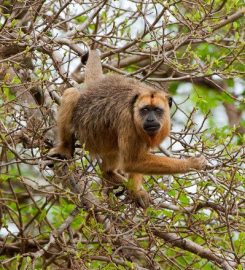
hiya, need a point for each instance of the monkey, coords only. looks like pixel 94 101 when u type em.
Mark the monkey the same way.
pixel 119 120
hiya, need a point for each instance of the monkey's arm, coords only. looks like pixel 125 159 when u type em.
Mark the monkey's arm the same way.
pixel 152 164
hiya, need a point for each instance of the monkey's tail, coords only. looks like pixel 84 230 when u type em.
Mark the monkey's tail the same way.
pixel 93 70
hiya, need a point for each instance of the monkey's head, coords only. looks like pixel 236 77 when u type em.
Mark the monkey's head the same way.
pixel 152 114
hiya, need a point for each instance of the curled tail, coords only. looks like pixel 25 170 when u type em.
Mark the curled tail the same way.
pixel 93 70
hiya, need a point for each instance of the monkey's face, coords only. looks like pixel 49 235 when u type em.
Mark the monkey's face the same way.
pixel 152 113
pixel 151 116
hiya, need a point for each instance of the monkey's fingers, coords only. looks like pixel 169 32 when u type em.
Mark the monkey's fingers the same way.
pixel 141 198
pixel 198 163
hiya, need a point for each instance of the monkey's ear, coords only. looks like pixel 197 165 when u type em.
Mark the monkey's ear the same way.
pixel 170 101
pixel 134 99
pixel 84 58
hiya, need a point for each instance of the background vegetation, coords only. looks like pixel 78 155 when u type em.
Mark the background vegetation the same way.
pixel 61 217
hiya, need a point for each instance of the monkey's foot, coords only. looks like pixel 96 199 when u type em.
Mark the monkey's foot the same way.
pixel 60 152
pixel 141 198
pixel 198 163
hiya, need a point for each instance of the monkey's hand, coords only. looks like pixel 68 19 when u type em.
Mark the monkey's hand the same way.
pixel 141 197
pixel 198 163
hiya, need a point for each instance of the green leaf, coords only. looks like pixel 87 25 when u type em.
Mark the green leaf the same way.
pixel 42 216
pixel 172 193
pixel 217 38
pixel 8 95
pixel 81 19
pixel 237 36
pixel 5 177
pixel 16 80
pixel 235 25
pixel 14 22
pixel 184 199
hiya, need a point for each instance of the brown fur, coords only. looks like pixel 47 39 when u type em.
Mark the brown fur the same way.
pixel 106 119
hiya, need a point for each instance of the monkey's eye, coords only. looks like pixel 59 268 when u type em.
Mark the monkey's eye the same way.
pixel 144 110
pixel 170 101
pixel 158 110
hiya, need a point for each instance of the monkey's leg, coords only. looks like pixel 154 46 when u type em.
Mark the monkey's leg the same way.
pixel 152 164
pixel 66 138
pixel 137 191
pixel 108 167
pixel 114 179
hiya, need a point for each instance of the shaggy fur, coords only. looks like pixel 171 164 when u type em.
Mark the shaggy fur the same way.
pixel 106 118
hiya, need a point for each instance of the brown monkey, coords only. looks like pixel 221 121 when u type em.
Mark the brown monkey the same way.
pixel 119 120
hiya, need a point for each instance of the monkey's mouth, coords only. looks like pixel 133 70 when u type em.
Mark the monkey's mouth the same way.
pixel 151 129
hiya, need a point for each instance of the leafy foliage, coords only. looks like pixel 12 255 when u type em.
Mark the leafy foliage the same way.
pixel 63 217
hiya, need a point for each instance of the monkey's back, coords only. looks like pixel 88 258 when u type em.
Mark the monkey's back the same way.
pixel 103 110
